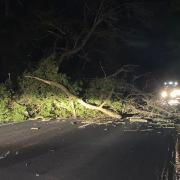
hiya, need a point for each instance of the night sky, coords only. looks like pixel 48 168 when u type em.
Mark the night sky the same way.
pixel 149 37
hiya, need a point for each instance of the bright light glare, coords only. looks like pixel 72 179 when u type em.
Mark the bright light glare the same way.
pixel 164 94
pixel 176 83
pixel 175 93
pixel 170 83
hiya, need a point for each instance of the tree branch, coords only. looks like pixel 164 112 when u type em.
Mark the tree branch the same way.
pixel 123 69
pixel 97 20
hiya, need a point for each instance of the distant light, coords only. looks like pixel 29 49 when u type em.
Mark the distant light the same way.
pixel 170 83
pixel 165 83
pixel 176 83
pixel 175 93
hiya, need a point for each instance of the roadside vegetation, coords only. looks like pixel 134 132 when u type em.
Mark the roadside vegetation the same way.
pixel 56 87
pixel 44 93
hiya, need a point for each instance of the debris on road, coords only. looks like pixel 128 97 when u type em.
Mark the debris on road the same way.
pixel 35 128
pixel 52 150
pixel 28 164
pixel 147 130
pixel 2 156
pixel 46 120
pixel 130 130
pixel 159 132
pixel 83 126
pixel 135 119
pixel 37 175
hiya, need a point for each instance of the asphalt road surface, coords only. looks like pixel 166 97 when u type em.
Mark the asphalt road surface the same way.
pixel 65 151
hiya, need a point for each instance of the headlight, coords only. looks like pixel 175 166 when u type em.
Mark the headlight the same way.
pixel 176 83
pixel 175 93
pixel 164 94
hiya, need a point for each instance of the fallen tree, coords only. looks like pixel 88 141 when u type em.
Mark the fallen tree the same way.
pixel 75 98
pixel 138 104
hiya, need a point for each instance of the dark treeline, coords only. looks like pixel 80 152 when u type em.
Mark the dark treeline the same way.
pixel 131 32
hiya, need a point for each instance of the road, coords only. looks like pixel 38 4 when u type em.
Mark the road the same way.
pixel 58 150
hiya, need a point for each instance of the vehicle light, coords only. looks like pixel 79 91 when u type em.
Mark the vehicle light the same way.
pixel 175 93
pixel 164 94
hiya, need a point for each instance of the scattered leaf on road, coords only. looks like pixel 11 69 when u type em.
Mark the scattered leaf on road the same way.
pixel 2 156
pixel 37 175
pixel 83 126
pixel 35 128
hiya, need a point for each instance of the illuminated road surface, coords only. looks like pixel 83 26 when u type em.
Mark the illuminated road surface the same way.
pixel 62 151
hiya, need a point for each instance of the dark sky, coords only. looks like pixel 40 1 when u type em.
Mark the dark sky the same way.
pixel 154 44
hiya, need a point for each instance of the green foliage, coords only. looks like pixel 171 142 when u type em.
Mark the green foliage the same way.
pixel 10 110
pixel 17 112
pixel 100 88
pixel 38 100
pixel 4 93
pixel 4 100
pixel 3 109
pixel 47 69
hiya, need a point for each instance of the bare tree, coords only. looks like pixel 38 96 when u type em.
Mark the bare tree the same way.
pixel 104 20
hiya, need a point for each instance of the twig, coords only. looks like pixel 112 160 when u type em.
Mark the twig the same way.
pixel 123 69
